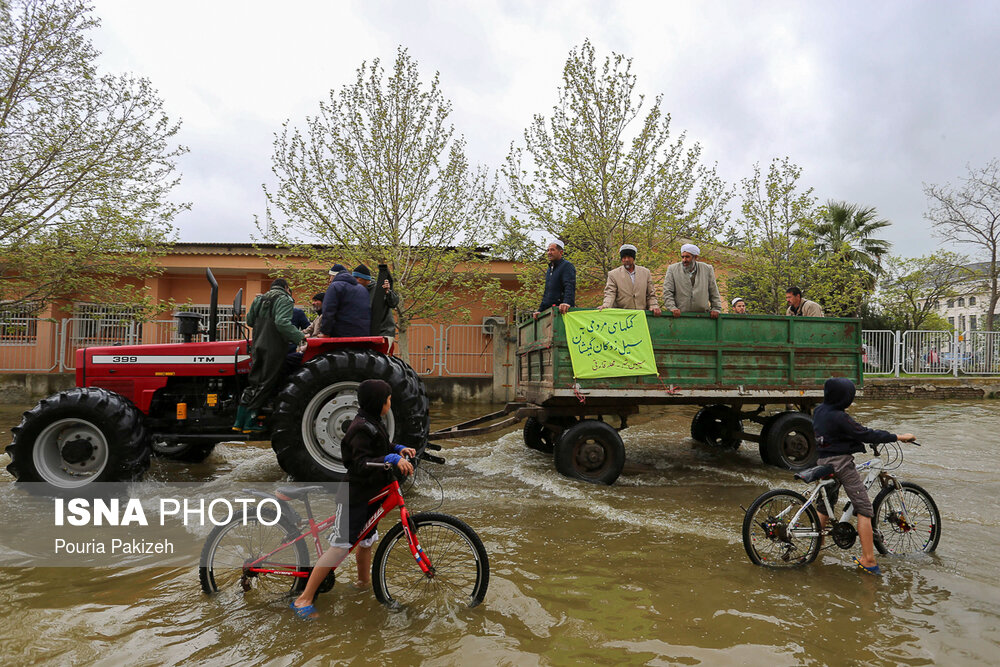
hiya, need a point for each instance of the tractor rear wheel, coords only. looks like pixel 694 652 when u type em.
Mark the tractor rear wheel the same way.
pixel 320 401
pixel 78 437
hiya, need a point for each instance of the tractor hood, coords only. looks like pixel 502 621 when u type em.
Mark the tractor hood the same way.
pixel 137 371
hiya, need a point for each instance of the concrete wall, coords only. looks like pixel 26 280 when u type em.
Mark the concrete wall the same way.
pixel 32 387
pixel 890 389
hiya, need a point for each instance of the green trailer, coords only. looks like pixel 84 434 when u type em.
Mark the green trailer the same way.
pixel 765 369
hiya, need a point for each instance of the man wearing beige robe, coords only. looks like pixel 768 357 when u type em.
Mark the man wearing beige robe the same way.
pixel 630 286
pixel 690 287
pixel 797 306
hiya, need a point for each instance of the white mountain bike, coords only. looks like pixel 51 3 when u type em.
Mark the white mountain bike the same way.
pixel 782 527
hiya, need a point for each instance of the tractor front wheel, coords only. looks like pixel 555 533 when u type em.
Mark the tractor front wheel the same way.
pixel 78 437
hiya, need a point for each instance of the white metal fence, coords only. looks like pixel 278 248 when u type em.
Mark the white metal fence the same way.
pixel 29 344
pixel 467 351
pixel 455 350
pixel 931 352
pixel 877 352
pixel 981 353
pixel 425 348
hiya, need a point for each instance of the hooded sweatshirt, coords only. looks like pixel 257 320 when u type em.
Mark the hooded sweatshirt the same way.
pixel 347 309
pixel 366 440
pixel 836 431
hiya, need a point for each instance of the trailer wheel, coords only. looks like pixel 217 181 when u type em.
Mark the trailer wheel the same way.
pixel 592 451
pixel 540 437
pixel 186 452
pixel 762 441
pixel 78 437
pixel 718 426
pixel 791 443
pixel 320 400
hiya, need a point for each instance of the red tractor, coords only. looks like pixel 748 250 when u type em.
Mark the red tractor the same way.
pixel 179 400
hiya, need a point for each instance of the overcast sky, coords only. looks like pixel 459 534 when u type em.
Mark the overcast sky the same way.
pixel 871 99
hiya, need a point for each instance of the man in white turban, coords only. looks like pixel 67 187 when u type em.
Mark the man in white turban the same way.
pixel 630 286
pixel 690 287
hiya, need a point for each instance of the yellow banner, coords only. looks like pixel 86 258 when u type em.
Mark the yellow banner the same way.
pixel 609 343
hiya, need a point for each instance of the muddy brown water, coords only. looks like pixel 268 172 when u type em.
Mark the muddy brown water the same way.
pixel 648 571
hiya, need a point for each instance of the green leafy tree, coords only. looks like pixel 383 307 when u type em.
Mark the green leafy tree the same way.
pixel 378 175
pixel 601 172
pixel 913 288
pixel 846 231
pixel 86 163
pixel 778 239
pixel 835 283
pixel 970 214
pixel 773 208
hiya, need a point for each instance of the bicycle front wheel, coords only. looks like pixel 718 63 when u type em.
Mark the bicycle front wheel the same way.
pixel 246 540
pixel 773 537
pixel 461 567
pixel 906 520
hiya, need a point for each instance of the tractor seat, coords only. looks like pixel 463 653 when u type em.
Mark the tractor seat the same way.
pixel 812 474
pixel 296 492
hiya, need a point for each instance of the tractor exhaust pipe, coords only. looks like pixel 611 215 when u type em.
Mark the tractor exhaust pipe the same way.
pixel 213 307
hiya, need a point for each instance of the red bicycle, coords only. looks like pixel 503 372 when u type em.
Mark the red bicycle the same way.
pixel 425 556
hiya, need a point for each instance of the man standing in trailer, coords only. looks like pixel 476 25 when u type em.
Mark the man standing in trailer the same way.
pixel 690 287
pixel 560 280
pixel 630 286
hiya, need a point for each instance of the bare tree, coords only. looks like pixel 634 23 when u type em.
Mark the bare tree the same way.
pixel 86 163
pixel 912 287
pixel 379 176
pixel 602 171
pixel 970 213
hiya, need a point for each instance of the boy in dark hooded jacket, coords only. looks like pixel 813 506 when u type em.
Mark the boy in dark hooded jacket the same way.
pixel 838 438
pixel 366 441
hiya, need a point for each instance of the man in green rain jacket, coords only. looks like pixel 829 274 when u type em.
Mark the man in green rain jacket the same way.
pixel 270 316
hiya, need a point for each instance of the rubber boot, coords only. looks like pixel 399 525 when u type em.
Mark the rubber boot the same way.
pixel 250 424
pixel 241 418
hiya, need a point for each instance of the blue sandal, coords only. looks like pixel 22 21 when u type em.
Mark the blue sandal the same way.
pixel 873 570
pixel 305 613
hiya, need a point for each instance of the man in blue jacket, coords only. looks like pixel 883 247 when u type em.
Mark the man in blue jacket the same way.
pixel 838 438
pixel 560 280
pixel 346 307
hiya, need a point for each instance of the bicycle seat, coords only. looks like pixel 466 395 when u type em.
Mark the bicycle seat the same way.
pixel 812 474
pixel 297 492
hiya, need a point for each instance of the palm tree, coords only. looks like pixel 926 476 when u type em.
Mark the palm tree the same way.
pixel 846 230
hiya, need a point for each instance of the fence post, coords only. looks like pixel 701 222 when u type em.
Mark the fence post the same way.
pixel 503 381
pixel 61 341
pixel 954 353
pixel 897 351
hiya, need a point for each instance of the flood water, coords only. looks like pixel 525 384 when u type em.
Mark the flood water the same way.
pixel 648 571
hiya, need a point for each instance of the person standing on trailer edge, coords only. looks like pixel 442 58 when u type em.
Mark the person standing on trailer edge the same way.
pixel 690 287
pixel 560 280
pixel 630 286
pixel 346 307
pixel 838 438
pixel 366 441
pixel 270 317
pixel 382 299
